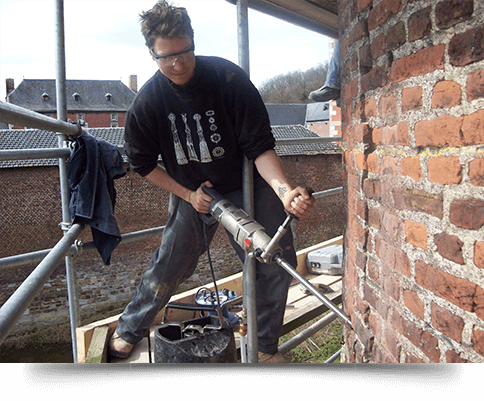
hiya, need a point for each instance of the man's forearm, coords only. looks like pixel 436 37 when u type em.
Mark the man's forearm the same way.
pixel 270 168
pixel 295 200
pixel 198 199
pixel 162 179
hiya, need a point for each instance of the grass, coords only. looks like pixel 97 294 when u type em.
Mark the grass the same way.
pixel 319 347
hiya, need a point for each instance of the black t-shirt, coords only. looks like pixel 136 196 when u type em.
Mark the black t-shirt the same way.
pixel 203 130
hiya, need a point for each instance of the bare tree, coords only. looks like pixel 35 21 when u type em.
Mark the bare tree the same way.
pixel 294 86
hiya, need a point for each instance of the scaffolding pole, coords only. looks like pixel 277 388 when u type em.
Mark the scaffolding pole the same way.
pixel 61 99
pixel 248 188
pixel 12 310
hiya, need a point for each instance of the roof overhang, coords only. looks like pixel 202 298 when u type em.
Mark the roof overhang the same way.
pixel 320 16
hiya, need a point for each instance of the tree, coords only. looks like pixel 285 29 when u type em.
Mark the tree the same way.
pixel 294 86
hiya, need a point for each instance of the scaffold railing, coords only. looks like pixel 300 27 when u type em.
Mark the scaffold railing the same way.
pixel 69 245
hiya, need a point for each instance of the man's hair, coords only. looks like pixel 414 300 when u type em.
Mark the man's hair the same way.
pixel 165 20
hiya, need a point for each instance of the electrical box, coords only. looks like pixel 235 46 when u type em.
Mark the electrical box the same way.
pixel 328 260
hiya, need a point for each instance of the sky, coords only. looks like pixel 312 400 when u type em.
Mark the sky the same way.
pixel 103 40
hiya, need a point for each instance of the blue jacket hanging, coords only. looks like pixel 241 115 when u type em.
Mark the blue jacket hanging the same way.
pixel 92 167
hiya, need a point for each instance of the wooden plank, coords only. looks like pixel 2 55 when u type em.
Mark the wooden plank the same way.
pixel 98 349
pixel 140 353
pixel 234 282
pixel 85 333
pixel 308 308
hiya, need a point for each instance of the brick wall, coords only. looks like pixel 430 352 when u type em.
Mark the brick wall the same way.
pixel 413 127
pixel 92 119
pixel 30 205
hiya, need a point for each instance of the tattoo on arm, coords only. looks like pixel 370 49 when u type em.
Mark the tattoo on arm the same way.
pixel 282 192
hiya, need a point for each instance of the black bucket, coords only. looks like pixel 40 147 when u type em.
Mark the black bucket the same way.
pixel 205 343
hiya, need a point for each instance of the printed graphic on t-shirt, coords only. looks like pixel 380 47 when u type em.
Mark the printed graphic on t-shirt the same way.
pixel 205 154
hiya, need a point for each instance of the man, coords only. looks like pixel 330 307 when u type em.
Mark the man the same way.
pixel 202 115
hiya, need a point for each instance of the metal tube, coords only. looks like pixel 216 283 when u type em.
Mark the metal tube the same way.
pixel 12 114
pixel 334 357
pixel 249 265
pixel 31 154
pixel 15 306
pixel 36 257
pixel 304 335
pixel 61 99
pixel 293 272
pixel 327 192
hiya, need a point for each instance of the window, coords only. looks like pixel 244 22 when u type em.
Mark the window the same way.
pixel 114 116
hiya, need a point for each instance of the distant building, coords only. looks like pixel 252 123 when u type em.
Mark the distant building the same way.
pixel 99 103
pixel 321 118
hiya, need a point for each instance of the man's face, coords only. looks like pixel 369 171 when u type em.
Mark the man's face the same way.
pixel 179 65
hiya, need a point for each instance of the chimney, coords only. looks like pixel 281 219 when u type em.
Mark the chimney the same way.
pixel 10 85
pixel 133 83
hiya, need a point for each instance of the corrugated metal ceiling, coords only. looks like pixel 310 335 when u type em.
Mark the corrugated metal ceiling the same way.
pixel 317 15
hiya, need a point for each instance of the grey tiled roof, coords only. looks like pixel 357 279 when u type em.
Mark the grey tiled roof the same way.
pixel 298 131
pixel 39 139
pixel 31 93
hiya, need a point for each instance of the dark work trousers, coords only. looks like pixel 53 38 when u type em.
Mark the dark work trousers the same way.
pixel 175 260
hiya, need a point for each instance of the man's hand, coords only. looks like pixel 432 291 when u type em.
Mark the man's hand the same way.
pixel 297 201
pixel 199 199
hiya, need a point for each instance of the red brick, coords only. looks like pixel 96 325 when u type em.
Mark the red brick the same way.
pixel 416 234
pixel 396 36
pixel 361 133
pixel 467 47
pixel 388 106
pixel 450 12
pixel 389 166
pixel 467 214
pixel 372 163
pixel 376 78
pixel 384 10
pixel 411 99
pixel 446 94
pixel 441 131
pixel 421 339
pixel 363 4
pixel 475 85
pixel 412 168
pixel 374 217
pixel 418 201
pixel 378 46
pixel 476 171
pixel 479 254
pixel 453 357
pixel 462 293
pixel 360 161
pixel 447 323
pixel 445 170
pixel 478 340
pixel 414 303
pixel 419 63
pixel 419 24
pixel 394 135
pixel 450 247
pixel 473 128
pixel 371 188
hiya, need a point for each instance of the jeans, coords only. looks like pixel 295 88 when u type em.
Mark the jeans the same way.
pixel 333 79
pixel 175 260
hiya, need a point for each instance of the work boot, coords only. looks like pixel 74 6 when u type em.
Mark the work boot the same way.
pixel 119 348
pixel 325 94
pixel 272 358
